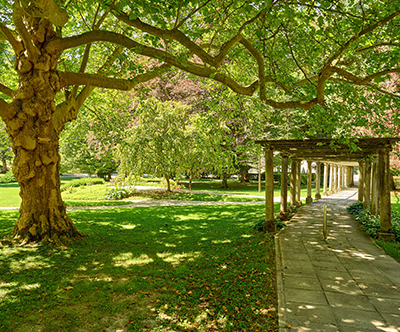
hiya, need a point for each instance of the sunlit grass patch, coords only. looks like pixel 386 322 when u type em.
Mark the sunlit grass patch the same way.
pixel 144 269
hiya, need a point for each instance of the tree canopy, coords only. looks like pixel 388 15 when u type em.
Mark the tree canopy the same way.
pixel 329 61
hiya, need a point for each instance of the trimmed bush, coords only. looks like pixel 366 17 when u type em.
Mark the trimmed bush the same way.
pixel 8 177
pixel 81 182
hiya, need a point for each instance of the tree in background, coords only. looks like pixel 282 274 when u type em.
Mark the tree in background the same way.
pixel 292 55
pixel 87 144
pixel 166 140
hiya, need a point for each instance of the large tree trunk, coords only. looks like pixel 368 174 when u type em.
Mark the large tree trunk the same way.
pixel 224 180
pixel 35 144
pixel 190 180
pixel 244 176
pixel 5 169
pixel 168 183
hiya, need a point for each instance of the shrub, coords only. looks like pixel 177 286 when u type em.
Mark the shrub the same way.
pixel 81 182
pixel 371 224
pixel 119 193
pixel 8 177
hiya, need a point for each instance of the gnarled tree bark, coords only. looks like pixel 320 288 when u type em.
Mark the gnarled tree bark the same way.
pixel 35 143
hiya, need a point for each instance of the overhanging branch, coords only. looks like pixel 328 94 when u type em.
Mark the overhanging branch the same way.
pixel 4 107
pixel 6 90
pixel 359 35
pixel 8 35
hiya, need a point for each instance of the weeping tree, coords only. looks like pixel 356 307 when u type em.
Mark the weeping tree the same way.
pixel 289 54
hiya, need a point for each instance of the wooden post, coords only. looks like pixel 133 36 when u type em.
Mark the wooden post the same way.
pixel 361 164
pixel 309 181
pixel 325 190
pixel 335 178
pixel 284 215
pixel 331 180
pixel 375 188
pixel 318 181
pixel 293 180
pixel 269 224
pixel 352 177
pixel 367 184
pixel 339 178
pixel 342 172
pixel 259 174
pixel 349 176
pixel 298 184
pixel 384 196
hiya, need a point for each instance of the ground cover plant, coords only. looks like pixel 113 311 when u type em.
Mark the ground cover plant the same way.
pixel 193 268
pixel 371 225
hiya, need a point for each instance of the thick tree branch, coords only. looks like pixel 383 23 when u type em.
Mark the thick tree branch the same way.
pixel 46 9
pixel 199 70
pixel 4 106
pixel 8 35
pixel 360 50
pixel 363 81
pixel 33 52
pixel 6 90
pixel 173 34
pixel 68 110
pixel 100 81
pixel 359 35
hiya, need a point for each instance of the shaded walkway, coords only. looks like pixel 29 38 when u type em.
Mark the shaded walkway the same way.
pixel 344 283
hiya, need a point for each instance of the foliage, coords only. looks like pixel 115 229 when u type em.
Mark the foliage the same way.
pixel 355 208
pixel 8 177
pixel 81 182
pixel 167 141
pixel 168 260
pixel 118 193
pixel 371 224
pixel 86 145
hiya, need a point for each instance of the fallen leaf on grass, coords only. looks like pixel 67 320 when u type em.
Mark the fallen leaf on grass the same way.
pixel 68 288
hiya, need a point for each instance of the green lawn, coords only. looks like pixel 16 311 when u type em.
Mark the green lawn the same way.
pixel 144 269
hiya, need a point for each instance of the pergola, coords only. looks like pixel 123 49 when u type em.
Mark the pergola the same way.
pixel 371 156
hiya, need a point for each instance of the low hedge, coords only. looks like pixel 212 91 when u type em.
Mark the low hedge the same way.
pixel 81 182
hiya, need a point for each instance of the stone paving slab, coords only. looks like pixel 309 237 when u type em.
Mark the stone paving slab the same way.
pixel 343 283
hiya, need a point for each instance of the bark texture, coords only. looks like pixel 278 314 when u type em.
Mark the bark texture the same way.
pixel 35 144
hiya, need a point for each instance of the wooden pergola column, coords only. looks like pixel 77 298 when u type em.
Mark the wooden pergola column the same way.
pixel 269 223
pixel 361 164
pixel 352 177
pixel 384 195
pixel 284 215
pixel 298 184
pixel 331 180
pixel 335 178
pixel 325 189
pixel 309 180
pixel 375 187
pixel 343 172
pixel 367 184
pixel 349 176
pixel 318 181
pixel 293 180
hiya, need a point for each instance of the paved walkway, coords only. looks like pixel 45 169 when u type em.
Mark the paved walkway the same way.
pixel 344 283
